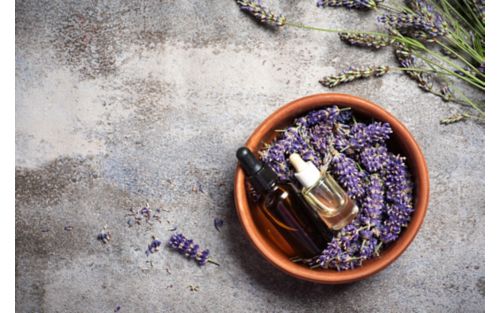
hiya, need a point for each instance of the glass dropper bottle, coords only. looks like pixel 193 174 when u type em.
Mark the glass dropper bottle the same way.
pixel 320 190
pixel 283 207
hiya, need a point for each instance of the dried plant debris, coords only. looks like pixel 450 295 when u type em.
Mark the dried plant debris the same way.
pixel 104 236
pixel 194 288
pixel 144 215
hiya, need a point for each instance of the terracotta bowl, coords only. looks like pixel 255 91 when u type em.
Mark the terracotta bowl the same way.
pixel 401 142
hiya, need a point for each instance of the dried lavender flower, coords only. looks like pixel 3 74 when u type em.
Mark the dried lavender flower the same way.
pixel 374 158
pixel 104 236
pixel 373 203
pixel 261 13
pixel 348 175
pixel 378 132
pixel 366 40
pixel 406 23
pixel 218 223
pixel 154 246
pixel 189 249
pixel 350 4
pixel 352 74
pixel 453 119
pixel 407 60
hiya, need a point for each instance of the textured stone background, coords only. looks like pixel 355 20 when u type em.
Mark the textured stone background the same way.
pixel 119 103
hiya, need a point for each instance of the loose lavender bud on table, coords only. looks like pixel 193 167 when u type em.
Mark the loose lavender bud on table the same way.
pixel 104 236
pixel 189 249
pixel 154 246
pixel 218 223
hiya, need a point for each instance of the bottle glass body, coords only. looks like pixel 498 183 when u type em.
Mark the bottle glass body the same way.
pixel 331 202
pixel 294 221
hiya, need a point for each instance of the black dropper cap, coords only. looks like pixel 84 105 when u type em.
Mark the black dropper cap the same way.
pixel 261 176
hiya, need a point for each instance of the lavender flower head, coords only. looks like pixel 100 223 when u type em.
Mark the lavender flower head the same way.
pixel 189 249
pixel 374 158
pixel 348 175
pixel 423 23
pixel 261 13
pixel 350 4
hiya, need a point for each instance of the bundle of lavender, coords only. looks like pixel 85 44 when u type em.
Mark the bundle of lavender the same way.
pixel 438 44
pixel 357 155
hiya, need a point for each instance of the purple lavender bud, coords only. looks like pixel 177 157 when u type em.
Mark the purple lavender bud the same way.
pixel 331 252
pixel 202 258
pixel 104 236
pixel 398 182
pixel 390 231
pixel 218 223
pixel 154 246
pixel 378 132
pixel 358 139
pixel 187 248
pixel 328 116
pixel 344 116
pixel 348 175
pixel 321 137
pixel 373 158
pixel 373 203
pixel 367 249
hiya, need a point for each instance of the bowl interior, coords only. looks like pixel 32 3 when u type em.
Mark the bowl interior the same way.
pixel 400 142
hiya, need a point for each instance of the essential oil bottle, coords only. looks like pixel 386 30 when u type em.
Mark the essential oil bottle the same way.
pixel 332 204
pixel 283 208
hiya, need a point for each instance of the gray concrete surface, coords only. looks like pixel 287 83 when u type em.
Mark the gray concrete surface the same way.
pixel 123 103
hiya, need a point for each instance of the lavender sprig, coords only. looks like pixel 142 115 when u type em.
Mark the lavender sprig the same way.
pixel 353 73
pixel 406 23
pixel 189 249
pixel 350 4
pixel 261 13
pixel 348 175
pixel 366 40
pixel 373 203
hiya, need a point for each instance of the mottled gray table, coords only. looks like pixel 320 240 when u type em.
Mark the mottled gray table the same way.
pixel 123 103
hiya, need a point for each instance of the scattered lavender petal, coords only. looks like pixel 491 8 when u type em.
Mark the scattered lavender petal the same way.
pixel 218 223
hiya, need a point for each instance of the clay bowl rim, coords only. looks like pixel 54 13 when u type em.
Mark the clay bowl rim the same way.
pixel 414 156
